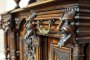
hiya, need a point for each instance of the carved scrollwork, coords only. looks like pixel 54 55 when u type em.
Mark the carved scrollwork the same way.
pixel 66 29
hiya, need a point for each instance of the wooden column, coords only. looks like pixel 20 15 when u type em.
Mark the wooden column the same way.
pixel 88 52
pixel 5 45
pixel 44 48
pixel 78 52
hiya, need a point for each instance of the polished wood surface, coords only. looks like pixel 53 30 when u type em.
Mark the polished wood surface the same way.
pixel 50 12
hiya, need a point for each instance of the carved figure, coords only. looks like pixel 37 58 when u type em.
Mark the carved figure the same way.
pixel 66 29
pixel 28 39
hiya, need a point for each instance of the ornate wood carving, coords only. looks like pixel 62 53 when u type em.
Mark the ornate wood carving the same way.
pixel 30 39
pixel 41 28
pixel 9 28
pixel 70 28
pixel 67 25
pixel 60 53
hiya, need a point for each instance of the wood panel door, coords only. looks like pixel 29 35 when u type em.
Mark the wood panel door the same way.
pixel 62 53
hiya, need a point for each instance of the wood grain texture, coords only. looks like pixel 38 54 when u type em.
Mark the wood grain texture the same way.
pixel 48 10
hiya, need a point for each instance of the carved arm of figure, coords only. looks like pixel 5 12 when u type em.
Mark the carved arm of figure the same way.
pixel 66 29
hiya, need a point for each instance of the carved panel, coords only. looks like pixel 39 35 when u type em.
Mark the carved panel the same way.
pixel 62 53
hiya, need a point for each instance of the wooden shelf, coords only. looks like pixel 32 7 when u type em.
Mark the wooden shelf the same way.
pixel 29 6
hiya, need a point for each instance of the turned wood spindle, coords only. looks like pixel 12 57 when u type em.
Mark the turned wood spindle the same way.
pixel 17 3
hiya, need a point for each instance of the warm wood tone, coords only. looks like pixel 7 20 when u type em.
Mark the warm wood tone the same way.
pixel 62 27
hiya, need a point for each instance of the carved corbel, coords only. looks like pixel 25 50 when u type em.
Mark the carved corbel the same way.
pixel 67 28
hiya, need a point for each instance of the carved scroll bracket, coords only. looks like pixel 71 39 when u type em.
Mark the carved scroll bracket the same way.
pixel 67 25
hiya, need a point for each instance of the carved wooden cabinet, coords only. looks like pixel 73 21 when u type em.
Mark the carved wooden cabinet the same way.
pixel 48 30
